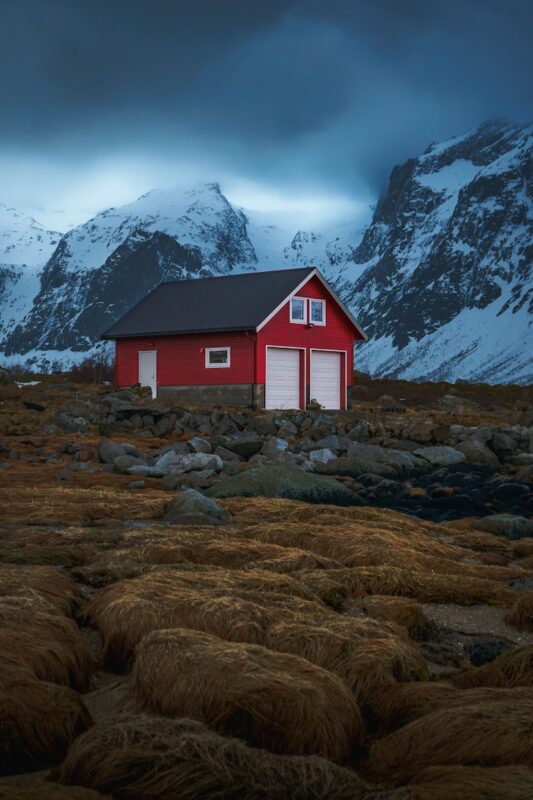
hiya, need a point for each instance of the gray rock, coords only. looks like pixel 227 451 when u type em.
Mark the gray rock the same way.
pixel 145 471
pixel 510 525
pixel 190 507
pixel 173 462
pixel 199 445
pixel 361 431
pixel 441 456
pixel 476 452
pixel 333 442
pixel 353 468
pixel 123 463
pixel 283 481
pixel 70 424
pixel 136 485
pixel 244 444
pixel 165 425
pixel 108 451
pixel 196 480
pixel 226 455
pixel 323 455
pixel 274 445
pixel 504 445
pixel 372 452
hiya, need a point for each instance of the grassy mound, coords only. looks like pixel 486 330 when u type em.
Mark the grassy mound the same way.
pixel 471 783
pixel 39 722
pixel 38 789
pixel 520 616
pixel 51 584
pixel 399 610
pixel 488 733
pixel 151 758
pixel 512 668
pixel 273 700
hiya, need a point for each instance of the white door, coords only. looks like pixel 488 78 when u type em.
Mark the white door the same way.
pixel 148 369
pixel 326 378
pixel 282 378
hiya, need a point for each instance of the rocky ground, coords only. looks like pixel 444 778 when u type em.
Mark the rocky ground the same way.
pixel 192 599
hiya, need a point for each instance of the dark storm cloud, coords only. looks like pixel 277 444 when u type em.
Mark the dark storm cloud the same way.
pixel 333 92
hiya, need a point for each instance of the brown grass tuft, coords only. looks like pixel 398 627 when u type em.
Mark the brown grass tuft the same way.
pixel 471 783
pixel 152 758
pixel 39 721
pixel 488 733
pixel 398 610
pixel 273 700
pixel 512 668
pixel 34 636
pixel 520 616
pixel 54 586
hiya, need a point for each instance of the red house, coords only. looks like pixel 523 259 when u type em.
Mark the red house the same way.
pixel 267 339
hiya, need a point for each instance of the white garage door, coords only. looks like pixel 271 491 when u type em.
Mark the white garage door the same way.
pixel 282 378
pixel 326 378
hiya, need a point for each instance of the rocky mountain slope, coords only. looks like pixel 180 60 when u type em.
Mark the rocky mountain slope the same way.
pixel 442 278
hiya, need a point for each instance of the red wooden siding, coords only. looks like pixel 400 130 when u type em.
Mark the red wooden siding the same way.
pixel 181 359
pixel 337 334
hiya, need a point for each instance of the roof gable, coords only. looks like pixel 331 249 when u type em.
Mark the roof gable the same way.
pixel 228 303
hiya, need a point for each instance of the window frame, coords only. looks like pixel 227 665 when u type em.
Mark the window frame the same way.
pixel 298 321
pixel 209 350
pixel 323 304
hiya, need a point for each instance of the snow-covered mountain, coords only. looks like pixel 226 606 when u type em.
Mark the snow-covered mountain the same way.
pixel 25 247
pixel 446 289
pixel 440 278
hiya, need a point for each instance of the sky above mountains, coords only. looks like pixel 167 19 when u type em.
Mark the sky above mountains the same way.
pixel 288 103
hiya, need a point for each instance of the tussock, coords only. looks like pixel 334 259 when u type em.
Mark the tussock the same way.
pixel 39 721
pixel 488 733
pixel 512 668
pixel 405 702
pixel 277 701
pixel 520 616
pixel 136 757
pixel 34 636
pixel 231 604
pixel 52 585
pixel 332 586
pixel 398 610
pixel 471 783
pixel 38 789
pixel 368 661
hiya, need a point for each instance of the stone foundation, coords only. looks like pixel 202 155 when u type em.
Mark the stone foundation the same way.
pixel 236 394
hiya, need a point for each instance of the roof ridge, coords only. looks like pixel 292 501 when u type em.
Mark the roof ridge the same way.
pixel 239 275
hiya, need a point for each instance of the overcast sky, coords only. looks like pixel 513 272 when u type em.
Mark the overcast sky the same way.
pixel 287 103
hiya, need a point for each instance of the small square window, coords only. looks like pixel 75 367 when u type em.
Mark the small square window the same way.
pixel 217 356
pixel 318 312
pixel 298 309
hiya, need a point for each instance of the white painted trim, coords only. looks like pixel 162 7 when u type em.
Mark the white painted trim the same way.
pixel 287 347
pixel 291 318
pixel 329 350
pixel 324 282
pixel 209 350
pixel 322 300
pixel 289 296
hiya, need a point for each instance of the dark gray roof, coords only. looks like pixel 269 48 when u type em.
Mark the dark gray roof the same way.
pixel 228 303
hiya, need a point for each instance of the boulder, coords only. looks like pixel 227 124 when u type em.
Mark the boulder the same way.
pixel 195 480
pixel 324 455
pixel 108 451
pixel 476 452
pixel 274 445
pixel 190 507
pixel 390 404
pixel 199 445
pixel 441 456
pixel 353 468
pixel 226 455
pixel 174 462
pixel 288 482
pixel 361 431
pixel 71 424
pixel 136 485
pixel 504 445
pixel 510 525
pixel 372 452
pixel 423 432
pixel 333 442
pixel 244 444
pixel 124 462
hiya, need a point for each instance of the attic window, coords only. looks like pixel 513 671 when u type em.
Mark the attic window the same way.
pixel 318 312
pixel 298 309
pixel 217 357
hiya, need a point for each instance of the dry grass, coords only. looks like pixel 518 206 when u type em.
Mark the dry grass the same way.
pixel 228 603
pixel 398 610
pixel 488 733
pixel 39 789
pixel 52 585
pixel 470 783
pixel 35 636
pixel 39 721
pixel 520 616
pixel 512 668
pixel 280 702
pixel 405 702
pixel 151 758
pixel 53 505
